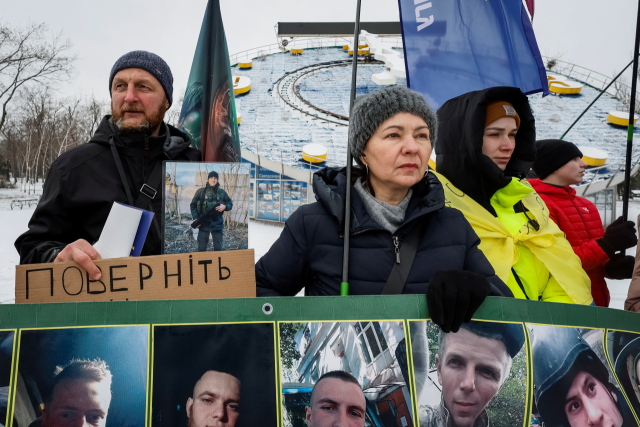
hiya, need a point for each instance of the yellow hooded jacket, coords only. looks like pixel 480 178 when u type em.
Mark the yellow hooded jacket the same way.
pixel 546 263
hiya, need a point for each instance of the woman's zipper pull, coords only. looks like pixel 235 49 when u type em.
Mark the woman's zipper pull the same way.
pixel 397 246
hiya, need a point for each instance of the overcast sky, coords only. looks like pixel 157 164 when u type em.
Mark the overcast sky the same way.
pixel 592 33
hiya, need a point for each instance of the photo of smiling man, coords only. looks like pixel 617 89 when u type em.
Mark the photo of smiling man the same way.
pixel 457 380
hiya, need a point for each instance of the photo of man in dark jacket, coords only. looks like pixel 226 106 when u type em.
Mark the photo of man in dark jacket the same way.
pixel 121 163
pixel 207 207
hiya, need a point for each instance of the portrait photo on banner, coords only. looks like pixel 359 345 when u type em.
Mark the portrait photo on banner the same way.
pixel 206 206
pixel 66 376
pixel 476 376
pixel 357 367
pixel 214 375
pixel 574 385
pixel 623 349
pixel 7 344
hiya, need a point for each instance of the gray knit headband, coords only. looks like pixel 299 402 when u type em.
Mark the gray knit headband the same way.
pixel 372 109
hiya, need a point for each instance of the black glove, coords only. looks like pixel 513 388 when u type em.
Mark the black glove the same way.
pixel 620 267
pixel 453 296
pixel 619 236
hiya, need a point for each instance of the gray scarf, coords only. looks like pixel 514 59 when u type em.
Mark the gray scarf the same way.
pixel 387 216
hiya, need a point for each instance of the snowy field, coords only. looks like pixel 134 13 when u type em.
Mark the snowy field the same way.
pixel 261 237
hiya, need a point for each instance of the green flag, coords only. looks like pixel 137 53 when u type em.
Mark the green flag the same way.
pixel 208 112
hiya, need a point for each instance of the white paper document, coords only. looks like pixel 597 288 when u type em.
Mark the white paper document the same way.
pixel 119 232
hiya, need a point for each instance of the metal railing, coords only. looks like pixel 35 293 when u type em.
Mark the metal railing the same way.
pixel 287 157
pixel 257 53
pixel 594 172
pixel 584 75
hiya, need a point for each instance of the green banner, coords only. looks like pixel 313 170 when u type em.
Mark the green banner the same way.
pixel 256 361
pixel 208 112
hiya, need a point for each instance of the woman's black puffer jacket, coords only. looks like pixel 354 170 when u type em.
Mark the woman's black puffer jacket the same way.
pixel 308 253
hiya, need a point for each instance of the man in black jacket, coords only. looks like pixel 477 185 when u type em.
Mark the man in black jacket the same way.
pixel 121 163
pixel 208 204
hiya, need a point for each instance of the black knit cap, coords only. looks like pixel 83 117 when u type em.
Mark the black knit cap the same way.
pixel 552 154
pixel 149 62
pixel 213 174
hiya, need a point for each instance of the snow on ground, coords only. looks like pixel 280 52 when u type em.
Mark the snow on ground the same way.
pixel 12 224
pixel 262 234
pixel 618 288
pixel 261 237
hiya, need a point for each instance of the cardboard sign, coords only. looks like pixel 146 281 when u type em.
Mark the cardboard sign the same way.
pixel 200 275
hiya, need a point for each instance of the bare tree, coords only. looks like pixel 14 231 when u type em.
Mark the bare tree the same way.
pixel 29 55
pixel 41 127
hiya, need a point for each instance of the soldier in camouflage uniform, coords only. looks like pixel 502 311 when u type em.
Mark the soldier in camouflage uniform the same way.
pixel 205 199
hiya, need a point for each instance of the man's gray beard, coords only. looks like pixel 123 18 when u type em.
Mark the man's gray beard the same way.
pixel 144 127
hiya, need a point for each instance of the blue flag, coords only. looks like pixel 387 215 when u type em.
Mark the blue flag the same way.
pixel 456 46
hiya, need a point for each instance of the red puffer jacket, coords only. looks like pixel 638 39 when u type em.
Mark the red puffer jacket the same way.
pixel 580 221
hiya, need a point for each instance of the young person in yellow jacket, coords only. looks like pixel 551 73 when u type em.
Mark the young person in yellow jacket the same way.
pixel 486 145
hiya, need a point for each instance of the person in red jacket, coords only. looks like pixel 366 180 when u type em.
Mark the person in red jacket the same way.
pixel 558 165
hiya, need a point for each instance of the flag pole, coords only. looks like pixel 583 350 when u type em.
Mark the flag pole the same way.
pixel 632 112
pixel 597 97
pixel 344 285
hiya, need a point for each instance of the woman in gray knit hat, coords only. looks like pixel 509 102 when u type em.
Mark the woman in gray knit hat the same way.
pixel 391 136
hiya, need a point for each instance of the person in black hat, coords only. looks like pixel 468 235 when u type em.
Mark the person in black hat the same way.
pixel 121 163
pixel 559 165
pixel 208 204
pixel 472 366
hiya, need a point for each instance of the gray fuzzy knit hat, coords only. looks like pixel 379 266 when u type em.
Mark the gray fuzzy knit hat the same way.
pixel 149 62
pixel 372 109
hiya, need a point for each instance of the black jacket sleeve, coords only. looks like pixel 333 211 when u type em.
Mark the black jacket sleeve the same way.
pixel 477 262
pixel 226 200
pixel 284 270
pixel 48 223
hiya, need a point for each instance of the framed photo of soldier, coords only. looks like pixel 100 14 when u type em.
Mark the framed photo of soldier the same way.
pixel 476 376
pixel 98 375
pixel 214 375
pixel 206 206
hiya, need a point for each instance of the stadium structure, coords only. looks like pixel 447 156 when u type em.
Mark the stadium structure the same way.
pixel 292 101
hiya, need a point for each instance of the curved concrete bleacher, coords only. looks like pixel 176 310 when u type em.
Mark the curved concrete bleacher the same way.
pixel 296 100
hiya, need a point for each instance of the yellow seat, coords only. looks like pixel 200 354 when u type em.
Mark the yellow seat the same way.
pixel 314 153
pixel 564 87
pixel 296 51
pixel 432 160
pixel 245 64
pixel 621 118
pixel 360 52
pixel 593 156
pixel 241 85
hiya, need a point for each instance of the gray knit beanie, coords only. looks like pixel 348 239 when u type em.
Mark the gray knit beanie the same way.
pixel 372 109
pixel 149 62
